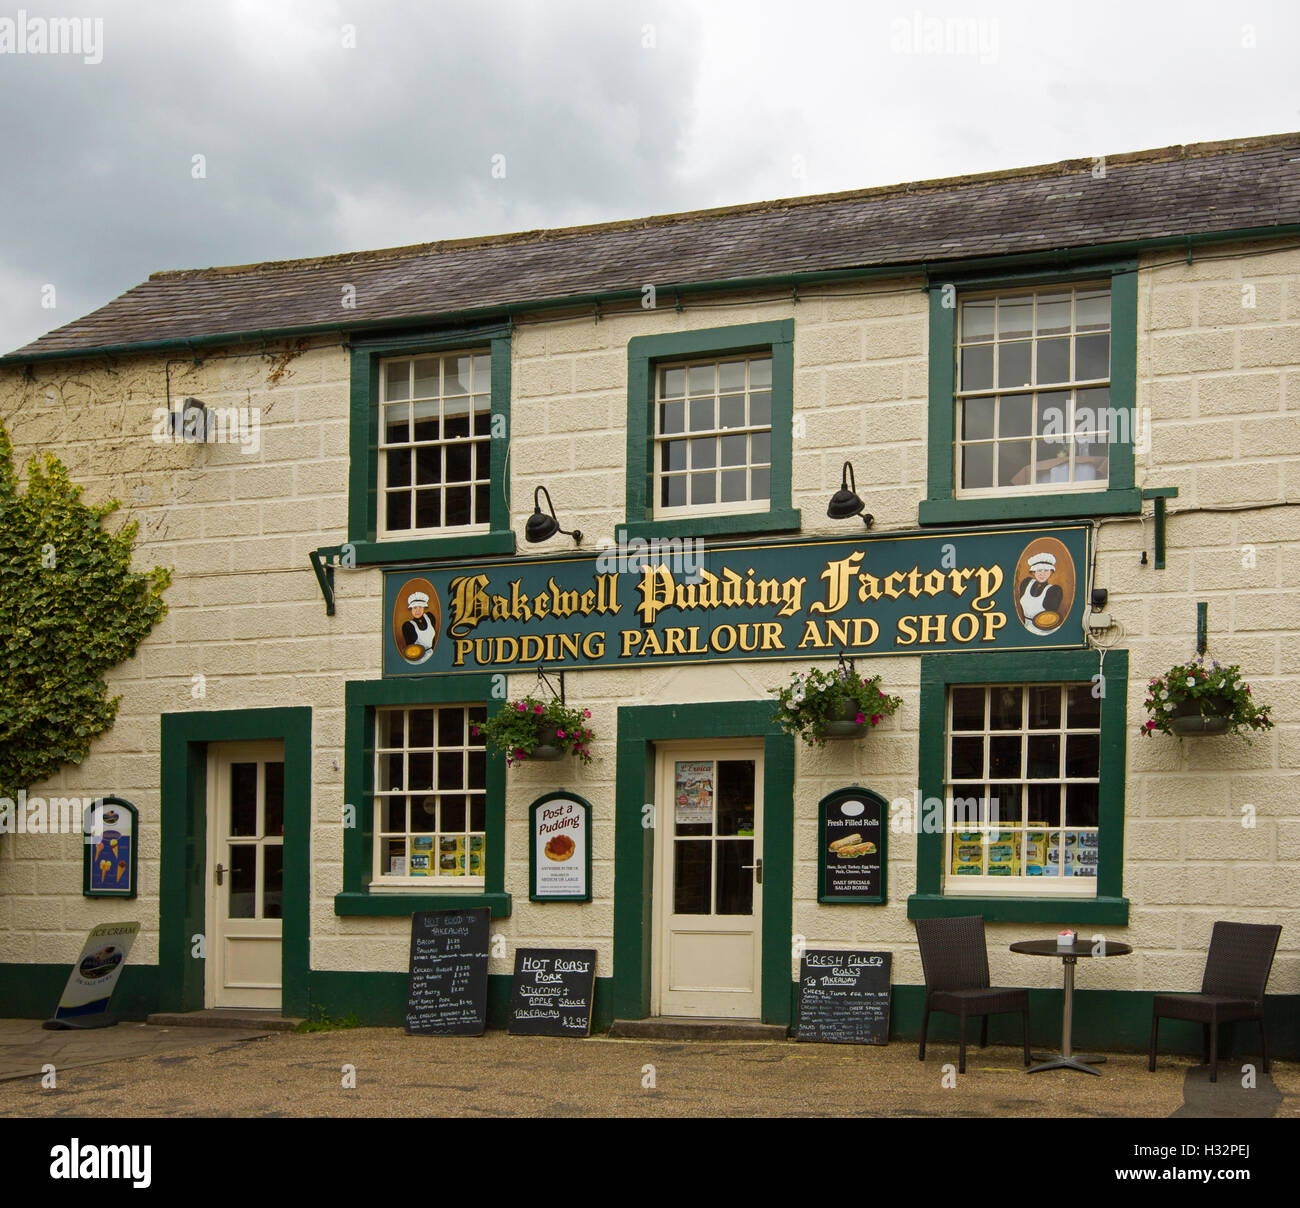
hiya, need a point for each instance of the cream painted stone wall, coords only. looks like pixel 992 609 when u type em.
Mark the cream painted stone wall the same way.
pixel 1220 383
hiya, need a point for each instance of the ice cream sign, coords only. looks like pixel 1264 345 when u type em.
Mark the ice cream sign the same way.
pixel 906 593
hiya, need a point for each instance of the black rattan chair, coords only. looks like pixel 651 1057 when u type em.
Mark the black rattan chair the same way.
pixel 1236 972
pixel 955 958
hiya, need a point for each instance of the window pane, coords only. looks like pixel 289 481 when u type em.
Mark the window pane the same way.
pixel 273 878
pixel 1015 316
pixel 243 880
pixel 458 462
pixel 673 456
pixel 1091 310
pixel 735 877
pixel 691 868
pixel 733 450
pixel 977 367
pixel 1044 761
pixel 426 377
pixel 1053 360
pixel 1045 707
pixel 483 373
pixel 451 727
pixel 702 414
pixel 1052 416
pixel 967 708
pixel 672 491
pixel 760 373
pixel 977 466
pixel 399 467
pixel 243 799
pixel 397 510
pixel 1091 357
pixel 419 770
pixel 704 453
pixel 1015 415
pixel 1083 711
pixel 735 809
pixel 733 486
pixel 1053 313
pixel 391 727
pixel 456 375
pixel 273 808
pixel 458 505
pixel 702 379
pixel 397 380
pixel 455 417
pixel 1006 803
pixel 733 411
pixel 1043 804
pixel 425 419
pixel 1013 364
pixel 1080 805
pixel 731 375
pixel 977 319
pixel 704 488
pixel 967 758
pixel 760 447
pixel 1013 463
pixel 672 418
pixel 672 383
pixel 396 423
pixel 427 509
pixel 1004 708
pixel 420 726
pixel 759 484
pixel 451 769
pixel 977 418
pixel 1004 756
pixel 428 464
pixel 1082 755
pixel 453 813
pixel 760 409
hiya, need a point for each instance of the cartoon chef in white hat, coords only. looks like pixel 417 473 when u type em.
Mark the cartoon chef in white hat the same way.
pixel 1040 599
pixel 420 633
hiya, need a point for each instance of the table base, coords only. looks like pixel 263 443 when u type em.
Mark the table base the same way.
pixel 1060 1061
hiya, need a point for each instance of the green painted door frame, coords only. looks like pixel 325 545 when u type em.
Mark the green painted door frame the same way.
pixel 639 728
pixel 183 823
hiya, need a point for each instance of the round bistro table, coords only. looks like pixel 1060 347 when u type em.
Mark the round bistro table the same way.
pixel 1067 1058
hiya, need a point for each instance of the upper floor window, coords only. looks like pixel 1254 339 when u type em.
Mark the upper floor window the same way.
pixel 1033 391
pixel 713 436
pixel 435 443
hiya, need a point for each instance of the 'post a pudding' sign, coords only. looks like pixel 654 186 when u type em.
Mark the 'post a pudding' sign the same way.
pixel 678 602
pixel 560 851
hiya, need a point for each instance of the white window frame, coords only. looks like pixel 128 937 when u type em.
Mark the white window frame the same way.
pixel 1019 885
pixel 745 506
pixel 476 355
pixel 381 879
pixel 1071 387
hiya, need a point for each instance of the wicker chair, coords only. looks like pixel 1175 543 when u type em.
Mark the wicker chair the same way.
pixel 954 956
pixel 1236 973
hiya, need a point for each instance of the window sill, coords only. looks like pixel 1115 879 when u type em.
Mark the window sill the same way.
pixel 423 549
pixel 386 905
pixel 1113 911
pixel 1118 502
pixel 778 520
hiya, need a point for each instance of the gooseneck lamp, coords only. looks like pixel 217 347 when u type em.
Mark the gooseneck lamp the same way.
pixel 845 502
pixel 540 526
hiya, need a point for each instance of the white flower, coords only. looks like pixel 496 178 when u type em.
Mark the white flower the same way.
pixel 796 696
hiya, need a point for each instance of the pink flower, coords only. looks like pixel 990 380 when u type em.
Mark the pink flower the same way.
pixel 860 719
pixel 520 706
pixel 559 733
pixel 586 713
pixel 538 709
pixel 473 731
pixel 875 719
pixel 519 752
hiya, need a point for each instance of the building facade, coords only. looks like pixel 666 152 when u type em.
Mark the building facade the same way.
pixel 1045 384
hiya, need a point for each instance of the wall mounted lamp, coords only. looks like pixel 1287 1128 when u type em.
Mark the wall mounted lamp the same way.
pixel 845 502
pixel 540 526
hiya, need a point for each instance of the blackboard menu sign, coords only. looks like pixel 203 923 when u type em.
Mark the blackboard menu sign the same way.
pixel 552 991
pixel 447 991
pixel 851 836
pixel 844 997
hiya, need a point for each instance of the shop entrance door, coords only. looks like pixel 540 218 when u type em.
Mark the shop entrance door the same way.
pixel 708 885
pixel 244 874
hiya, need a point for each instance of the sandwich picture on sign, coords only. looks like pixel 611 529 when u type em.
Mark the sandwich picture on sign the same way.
pixel 417 620
pixel 1045 583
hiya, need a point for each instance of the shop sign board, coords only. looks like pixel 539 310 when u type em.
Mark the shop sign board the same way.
pixel 93 978
pixel 658 603
pixel 844 997
pixel 447 990
pixel 851 849
pixel 559 855
pixel 552 991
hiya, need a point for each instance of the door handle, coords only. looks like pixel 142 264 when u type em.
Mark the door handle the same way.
pixel 757 866
pixel 220 871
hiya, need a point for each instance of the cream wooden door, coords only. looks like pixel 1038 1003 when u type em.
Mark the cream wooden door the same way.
pixel 708 901
pixel 244 874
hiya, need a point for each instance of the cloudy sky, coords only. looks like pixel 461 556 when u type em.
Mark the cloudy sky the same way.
pixel 328 127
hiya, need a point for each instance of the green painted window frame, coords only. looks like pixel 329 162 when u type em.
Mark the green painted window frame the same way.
pixel 361 698
pixel 639 728
pixel 643 353
pixel 363 450
pixel 1120 498
pixel 938 672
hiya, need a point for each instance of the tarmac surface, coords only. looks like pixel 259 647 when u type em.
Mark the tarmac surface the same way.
pixel 135 1070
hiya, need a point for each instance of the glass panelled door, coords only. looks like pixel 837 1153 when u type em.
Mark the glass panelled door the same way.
pixel 245 874
pixel 708 882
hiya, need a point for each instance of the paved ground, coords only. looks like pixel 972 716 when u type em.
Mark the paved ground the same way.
pixel 218 1072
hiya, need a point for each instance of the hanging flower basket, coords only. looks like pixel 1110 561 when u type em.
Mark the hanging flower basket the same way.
pixel 1192 699
pixel 839 703
pixel 530 729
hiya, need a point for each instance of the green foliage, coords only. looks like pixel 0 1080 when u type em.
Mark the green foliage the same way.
pixel 1216 691
pixel 70 608
pixel 318 1021
pixel 517 728
pixel 814 698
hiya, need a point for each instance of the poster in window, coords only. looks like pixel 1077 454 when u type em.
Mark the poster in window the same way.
pixel 693 792
pixel 560 851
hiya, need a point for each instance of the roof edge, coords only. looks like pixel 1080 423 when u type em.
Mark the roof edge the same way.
pixel 1167 154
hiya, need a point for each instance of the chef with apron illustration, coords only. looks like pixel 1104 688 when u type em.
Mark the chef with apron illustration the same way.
pixel 420 633
pixel 1036 596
